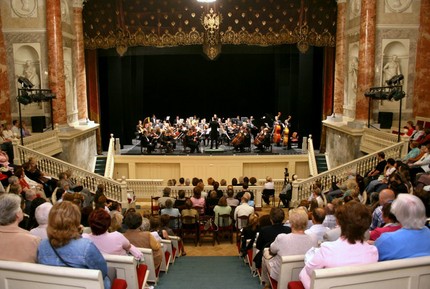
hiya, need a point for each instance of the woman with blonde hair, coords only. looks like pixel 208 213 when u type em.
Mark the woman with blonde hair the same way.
pixel 65 247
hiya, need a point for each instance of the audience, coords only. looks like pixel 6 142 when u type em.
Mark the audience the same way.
pixel 354 220
pixel 390 223
pixel 142 239
pixel 244 209
pixel 41 214
pixel 295 243
pixel 17 244
pixel 412 240
pixel 222 209
pixel 385 196
pixel 65 247
pixel 318 229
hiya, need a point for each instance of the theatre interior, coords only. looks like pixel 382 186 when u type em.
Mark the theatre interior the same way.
pixel 134 95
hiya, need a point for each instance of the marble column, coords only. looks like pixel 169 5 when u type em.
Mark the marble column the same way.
pixel 421 100
pixel 4 82
pixel 366 55
pixel 339 74
pixel 81 82
pixel 56 60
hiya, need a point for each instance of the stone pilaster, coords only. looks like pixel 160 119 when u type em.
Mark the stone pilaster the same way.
pixel 339 75
pixel 4 82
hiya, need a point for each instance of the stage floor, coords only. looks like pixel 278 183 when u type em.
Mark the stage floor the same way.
pixel 135 149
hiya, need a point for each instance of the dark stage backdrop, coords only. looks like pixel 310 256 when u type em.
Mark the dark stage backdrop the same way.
pixel 181 81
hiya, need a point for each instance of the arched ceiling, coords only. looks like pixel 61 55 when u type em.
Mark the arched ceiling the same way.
pixel 126 23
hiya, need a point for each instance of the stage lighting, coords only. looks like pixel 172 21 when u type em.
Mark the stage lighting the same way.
pixel 399 94
pixel 395 80
pixel 25 82
pixel 24 98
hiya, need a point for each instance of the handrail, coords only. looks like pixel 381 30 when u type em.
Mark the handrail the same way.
pixel 313 170
pixel 302 189
pixel 110 159
pixel 114 190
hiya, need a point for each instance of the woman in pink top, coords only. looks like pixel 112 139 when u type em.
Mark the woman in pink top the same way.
pixel 113 243
pixel 350 249
pixel 198 201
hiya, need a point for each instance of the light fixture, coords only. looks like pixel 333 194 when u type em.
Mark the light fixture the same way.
pixel 25 82
pixel 395 80
pixel 24 98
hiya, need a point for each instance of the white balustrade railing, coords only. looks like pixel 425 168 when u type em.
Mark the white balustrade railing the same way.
pixel 374 140
pixel 110 158
pixel 302 189
pixel 313 170
pixel 47 142
pixel 114 190
pixel 144 188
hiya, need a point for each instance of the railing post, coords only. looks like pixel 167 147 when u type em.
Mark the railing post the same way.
pixel 124 200
pixel 295 195
pixel 17 157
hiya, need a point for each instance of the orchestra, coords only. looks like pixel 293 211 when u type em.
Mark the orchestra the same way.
pixel 240 133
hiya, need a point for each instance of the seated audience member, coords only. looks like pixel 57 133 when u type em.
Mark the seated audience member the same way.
pixel 41 215
pixel 171 212
pixel 249 234
pixel 244 209
pixel 219 192
pixel 413 153
pixel 354 220
pixel 211 202
pixel 222 209
pixel 166 196
pixel 223 182
pixel 317 195
pixel 198 201
pixel 268 234
pixel 390 221
pixel 420 166
pixel 231 200
pixel 142 239
pixel 65 247
pixel 388 170
pixel 180 201
pixel 108 243
pixel 330 219
pixel 385 196
pixel 189 211
pixel 412 240
pixel 295 243
pixel 34 173
pixel 268 186
pixel 317 229
pixel 377 170
pixel 17 244
pixel 155 223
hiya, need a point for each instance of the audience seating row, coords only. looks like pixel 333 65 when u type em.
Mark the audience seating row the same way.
pixel 21 275
pixel 412 273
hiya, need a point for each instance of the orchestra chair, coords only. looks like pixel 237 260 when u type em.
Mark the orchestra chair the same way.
pixel 155 207
pixel 241 222
pixel 175 225
pixel 270 194
pixel 206 232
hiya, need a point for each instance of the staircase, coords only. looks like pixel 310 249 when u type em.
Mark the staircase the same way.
pixel 321 163
pixel 100 165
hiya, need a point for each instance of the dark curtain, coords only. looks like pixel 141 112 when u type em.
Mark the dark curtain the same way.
pixel 242 81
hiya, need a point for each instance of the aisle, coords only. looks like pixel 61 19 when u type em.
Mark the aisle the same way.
pixel 209 273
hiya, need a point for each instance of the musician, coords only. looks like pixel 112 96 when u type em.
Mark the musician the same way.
pixel 139 129
pixel 241 140
pixel 277 130
pixel 214 134
pixel 166 140
pixel 263 139
pixel 146 142
pixel 285 133
pixel 191 140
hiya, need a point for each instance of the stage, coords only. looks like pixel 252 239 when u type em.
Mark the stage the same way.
pixel 223 163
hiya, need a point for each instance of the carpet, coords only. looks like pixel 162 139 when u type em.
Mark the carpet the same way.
pixel 208 273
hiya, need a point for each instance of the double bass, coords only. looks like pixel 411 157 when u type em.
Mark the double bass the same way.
pixel 286 132
pixel 277 133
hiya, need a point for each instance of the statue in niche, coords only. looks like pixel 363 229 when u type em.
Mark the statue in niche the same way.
pixel 354 73
pixel 391 68
pixel 30 73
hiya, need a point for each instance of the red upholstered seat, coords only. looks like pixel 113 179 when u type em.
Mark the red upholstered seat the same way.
pixel 167 255
pixel 119 284
pixel 273 283
pixel 295 285
pixel 141 273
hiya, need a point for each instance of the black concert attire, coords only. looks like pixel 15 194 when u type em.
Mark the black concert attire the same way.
pixel 191 142
pixel 214 134
pixel 146 142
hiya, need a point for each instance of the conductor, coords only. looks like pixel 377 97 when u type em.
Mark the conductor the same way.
pixel 214 134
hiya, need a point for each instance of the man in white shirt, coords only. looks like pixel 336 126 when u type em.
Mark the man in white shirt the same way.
pixel 318 229
pixel 244 209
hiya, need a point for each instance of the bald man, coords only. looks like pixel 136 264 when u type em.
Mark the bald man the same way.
pixel 385 196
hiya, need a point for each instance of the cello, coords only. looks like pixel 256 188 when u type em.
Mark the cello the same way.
pixel 286 131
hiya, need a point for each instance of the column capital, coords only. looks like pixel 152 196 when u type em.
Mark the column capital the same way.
pixel 79 3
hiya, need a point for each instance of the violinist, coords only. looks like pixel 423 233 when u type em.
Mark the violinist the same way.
pixel 166 140
pixel 146 142
pixel 191 140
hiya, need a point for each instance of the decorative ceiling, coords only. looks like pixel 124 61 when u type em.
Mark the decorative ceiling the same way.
pixel 161 23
